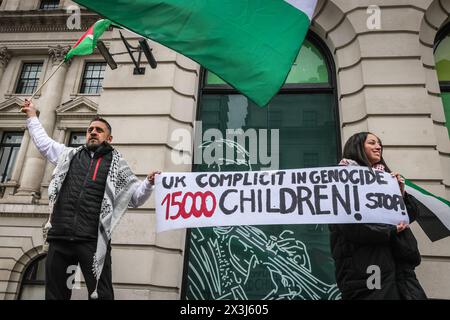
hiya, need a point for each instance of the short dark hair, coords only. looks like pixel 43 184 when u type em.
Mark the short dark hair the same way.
pixel 97 118
pixel 354 150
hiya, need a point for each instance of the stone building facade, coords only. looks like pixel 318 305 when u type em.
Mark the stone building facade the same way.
pixel 386 83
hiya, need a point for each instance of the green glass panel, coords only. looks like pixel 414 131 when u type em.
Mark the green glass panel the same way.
pixel 442 59
pixel 265 262
pixel 309 67
pixel 307 130
pixel 446 102
pixel 212 78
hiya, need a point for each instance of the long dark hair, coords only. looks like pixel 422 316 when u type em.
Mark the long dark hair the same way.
pixel 354 150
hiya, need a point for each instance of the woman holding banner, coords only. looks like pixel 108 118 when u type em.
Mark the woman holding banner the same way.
pixel 375 261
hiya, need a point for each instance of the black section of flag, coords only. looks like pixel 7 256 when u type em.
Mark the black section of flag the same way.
pixel 429 222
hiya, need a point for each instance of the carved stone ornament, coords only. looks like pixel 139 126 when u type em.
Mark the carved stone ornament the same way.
pixel 57 53
pixel 5 55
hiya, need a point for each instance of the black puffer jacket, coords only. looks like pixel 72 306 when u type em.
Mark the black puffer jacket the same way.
pixel 77 209
pixel 356 247
pixel 407 256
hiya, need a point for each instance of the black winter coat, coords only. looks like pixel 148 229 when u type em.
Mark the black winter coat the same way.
pixel 358 247
pixel 407 257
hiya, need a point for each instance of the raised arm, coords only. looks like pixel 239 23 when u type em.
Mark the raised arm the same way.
pixel 144 190
pixel 49 148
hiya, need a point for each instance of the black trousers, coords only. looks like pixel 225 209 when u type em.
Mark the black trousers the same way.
pixel 63 257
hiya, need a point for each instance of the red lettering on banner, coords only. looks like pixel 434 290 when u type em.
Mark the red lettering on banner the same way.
pixel 171 200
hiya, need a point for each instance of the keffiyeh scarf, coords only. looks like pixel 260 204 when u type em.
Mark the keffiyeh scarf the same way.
pixel 121 183
pixel 350 162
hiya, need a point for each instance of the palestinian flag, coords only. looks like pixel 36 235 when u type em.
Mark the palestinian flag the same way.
pixel 434 212
pixel 250 44
pixel 86 44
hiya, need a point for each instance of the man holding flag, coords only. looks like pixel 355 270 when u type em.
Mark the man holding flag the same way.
pixel 91 188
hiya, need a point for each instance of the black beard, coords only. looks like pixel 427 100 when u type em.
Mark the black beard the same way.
pixel 93 147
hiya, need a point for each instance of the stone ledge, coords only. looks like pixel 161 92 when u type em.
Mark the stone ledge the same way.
pixel 42 21
pixel 23 210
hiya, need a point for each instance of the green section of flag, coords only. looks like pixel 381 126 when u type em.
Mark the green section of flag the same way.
pixel 86 44
pixel 427 193
pixel 251 44
pixel 446 104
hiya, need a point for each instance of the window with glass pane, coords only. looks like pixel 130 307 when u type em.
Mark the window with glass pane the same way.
pixel 309 68
pixel 49 4
pixel 93 77
pixel 249 262
pixel 29 78
pixel 442 61
pixel 33 281
pixel 77 139
pixel 9 148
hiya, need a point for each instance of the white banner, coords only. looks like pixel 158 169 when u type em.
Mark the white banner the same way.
pixel 303 196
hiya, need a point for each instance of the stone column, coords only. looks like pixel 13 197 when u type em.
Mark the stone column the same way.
pixel 47 104
pixel 4 59
pixel 49 167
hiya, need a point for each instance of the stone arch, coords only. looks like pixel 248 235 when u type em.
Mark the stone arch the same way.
pixel 436 16
pixel 17 272
pixel 332 24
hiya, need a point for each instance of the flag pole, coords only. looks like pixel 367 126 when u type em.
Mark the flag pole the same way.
pixel 40 87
